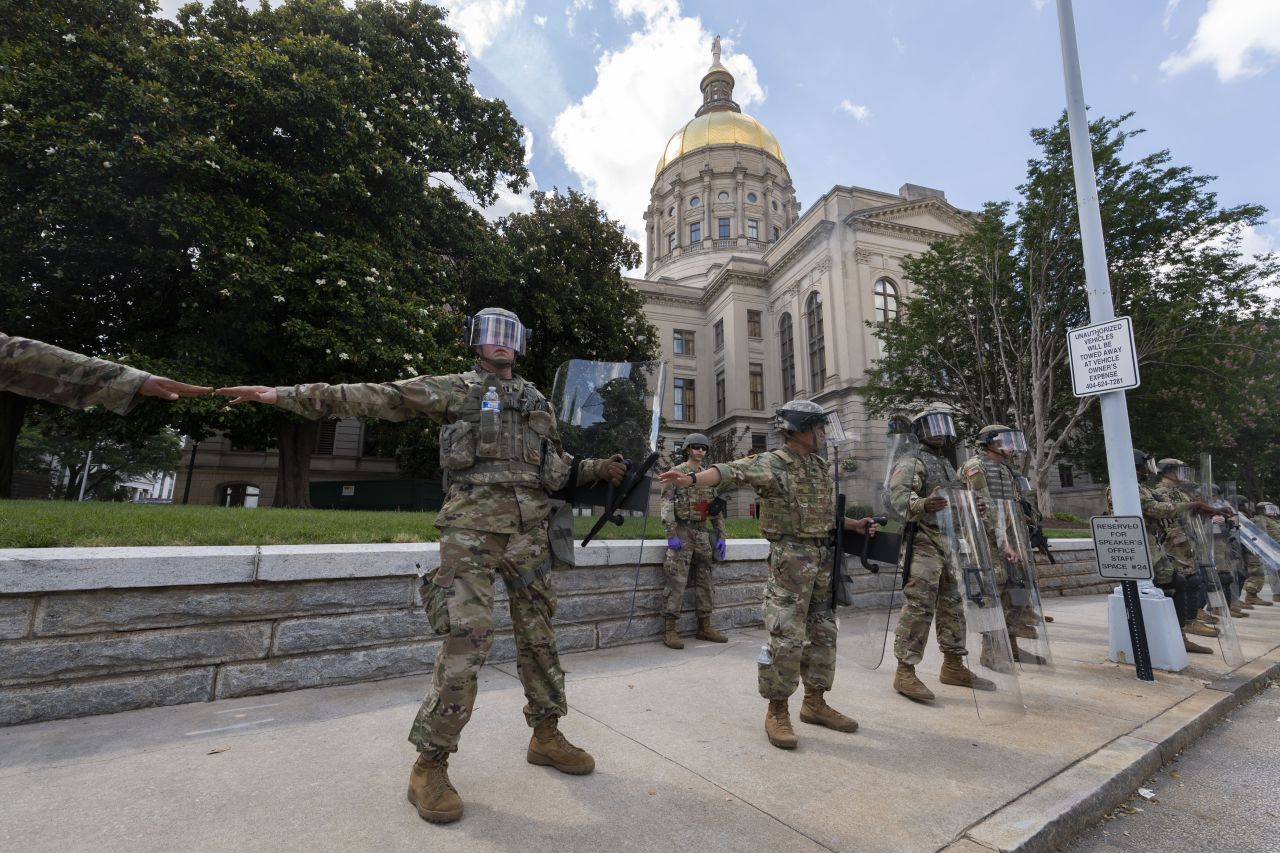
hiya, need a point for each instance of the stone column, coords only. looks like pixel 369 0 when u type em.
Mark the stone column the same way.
pixel 741 205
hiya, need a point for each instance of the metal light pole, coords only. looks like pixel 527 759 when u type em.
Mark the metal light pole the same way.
pixel 84 478
pixel 1115 410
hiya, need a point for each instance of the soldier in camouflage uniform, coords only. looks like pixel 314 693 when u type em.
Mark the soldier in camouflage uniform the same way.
pixel 797 516
pixel 991 478
pixel 501 467
pixel 1178 546
pixel 40 370
pixel 1158 517
pixel 931 590
pixel 685 513
pixel 1268 519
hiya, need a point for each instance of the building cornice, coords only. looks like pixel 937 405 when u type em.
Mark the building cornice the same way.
pixel 789 254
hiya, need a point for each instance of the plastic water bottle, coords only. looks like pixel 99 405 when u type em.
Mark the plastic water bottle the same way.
pixel 490 407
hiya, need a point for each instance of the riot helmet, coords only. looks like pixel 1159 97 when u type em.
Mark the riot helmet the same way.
pixel 803 415
pixel 934 424
pixel 1242 504
pixel 1144 461
pixel 1002 439
pixel 1175 469
pixel 497 327
pixel 1269 509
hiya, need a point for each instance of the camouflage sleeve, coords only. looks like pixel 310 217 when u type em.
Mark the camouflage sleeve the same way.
pixel 420 397
pixel 906 481
pixel 754 471
pixel 668 507
pixel 975 477
pixel 1162 505
pixel 40 370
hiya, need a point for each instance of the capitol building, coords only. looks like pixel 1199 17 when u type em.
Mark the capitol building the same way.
pixel 758 301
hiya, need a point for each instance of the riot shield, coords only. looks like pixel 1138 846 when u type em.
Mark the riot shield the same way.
pixel 1020 594
pixel 606 408
pixel 1267 550
pixel 968 561
pixel 1201 536
pixel 868 566
pixel 898 446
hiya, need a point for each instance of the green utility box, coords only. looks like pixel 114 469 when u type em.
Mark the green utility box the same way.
pixel 393 495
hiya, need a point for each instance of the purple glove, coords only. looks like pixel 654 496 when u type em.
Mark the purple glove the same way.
pixel 720 548
pixel 674 543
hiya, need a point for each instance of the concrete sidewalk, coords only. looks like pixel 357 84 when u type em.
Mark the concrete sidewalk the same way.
pixel 682 761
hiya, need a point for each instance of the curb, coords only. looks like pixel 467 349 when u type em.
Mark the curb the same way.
pixel 1060 808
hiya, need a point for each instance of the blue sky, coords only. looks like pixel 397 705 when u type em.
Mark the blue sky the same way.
pixel 876 94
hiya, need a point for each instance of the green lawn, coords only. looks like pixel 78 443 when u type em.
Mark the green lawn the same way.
pixel 53 524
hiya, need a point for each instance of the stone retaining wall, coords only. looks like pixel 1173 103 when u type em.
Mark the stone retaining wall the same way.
pixel 99 630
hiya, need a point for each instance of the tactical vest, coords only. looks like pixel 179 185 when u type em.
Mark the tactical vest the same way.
pixel 691 504
pixel 1000 483
pixel 512 454
pixel 805 503
pixel 937 472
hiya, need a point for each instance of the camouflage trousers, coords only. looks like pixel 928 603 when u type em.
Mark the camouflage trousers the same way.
pixel 476 558
pixel 695 553
pixel 799 619
pixel 930 593
pixel 1253 566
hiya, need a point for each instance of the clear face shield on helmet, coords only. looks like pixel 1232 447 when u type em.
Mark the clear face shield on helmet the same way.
pixel 936 426
pixel 1270 510
pixel 1179 473
pixel 1008 441
pixel 499 330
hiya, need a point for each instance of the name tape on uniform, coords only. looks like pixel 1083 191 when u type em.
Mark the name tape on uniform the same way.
pixel 1103 358
pixel 1120 543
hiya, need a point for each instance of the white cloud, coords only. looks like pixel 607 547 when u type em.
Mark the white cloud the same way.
pixel 572 10
pixel 645 91
pixel 858 111
pixel 540 20
pixel 1170 7
pixel 1254 242
pixel 479 22
pixel 1235 36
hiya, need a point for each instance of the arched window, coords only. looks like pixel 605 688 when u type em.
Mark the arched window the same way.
pixel 787 346
pixel 886 300
pixel 817 343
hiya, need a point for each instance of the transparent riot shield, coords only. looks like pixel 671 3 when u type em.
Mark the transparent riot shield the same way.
pixel 605 408
pixel 1266 549
pixel 866 595
pixel 968 563
pixel 899 445
pixel 1201 536
pixel 1020 594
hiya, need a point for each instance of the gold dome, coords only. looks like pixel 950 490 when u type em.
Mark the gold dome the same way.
pixel 720 128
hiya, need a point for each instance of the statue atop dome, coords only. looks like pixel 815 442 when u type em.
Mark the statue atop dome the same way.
pixel 717 85
pixel 715 51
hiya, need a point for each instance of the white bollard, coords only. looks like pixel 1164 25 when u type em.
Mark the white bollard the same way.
pixel 1164 635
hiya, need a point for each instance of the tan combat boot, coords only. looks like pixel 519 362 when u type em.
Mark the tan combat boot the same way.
pixel 816 711
pixel 1245 604
pixel 777 725
pixel 431 792
pixel 1195 648
pixel 906 683
pixel 670 638
pixel 549 748
pixel 955 673
pixel 706 632
pixel 1252 598
pixel 1237 612
pixel 1022 655
pixel 1200 629
pixel 1206 617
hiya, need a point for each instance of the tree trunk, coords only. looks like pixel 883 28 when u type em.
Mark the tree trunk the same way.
pixel 13 411
pixel 297 441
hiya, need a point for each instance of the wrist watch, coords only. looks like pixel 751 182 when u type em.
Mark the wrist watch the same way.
pixel 693 479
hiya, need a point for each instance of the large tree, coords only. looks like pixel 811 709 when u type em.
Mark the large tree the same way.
pixel 985 329
pixel 250 195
